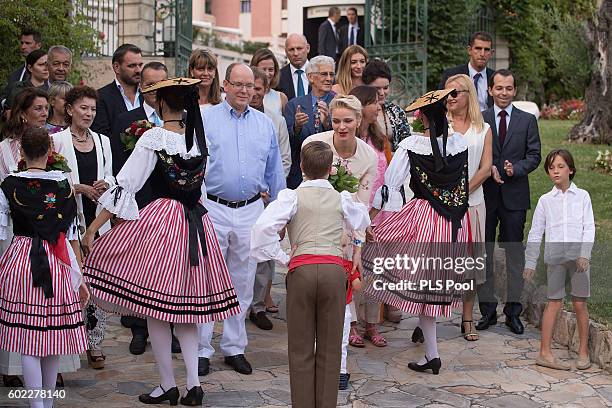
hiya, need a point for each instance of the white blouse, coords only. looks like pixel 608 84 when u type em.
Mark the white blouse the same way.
pixel 71 235
pixel 399 168
pixel 139 167
pixel 265 244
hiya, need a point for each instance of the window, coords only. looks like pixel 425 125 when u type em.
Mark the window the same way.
pixel 208 7
pixel 245 6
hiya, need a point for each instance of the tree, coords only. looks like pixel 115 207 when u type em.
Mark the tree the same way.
pixel 596 126
pixel 59 22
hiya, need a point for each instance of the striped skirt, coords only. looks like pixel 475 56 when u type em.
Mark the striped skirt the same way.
pixel 30 324
pixel 141 268
pixel 418 241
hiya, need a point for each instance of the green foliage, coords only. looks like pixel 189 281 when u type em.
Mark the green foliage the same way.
pixel 447 43
pixel 212 40
pixel 57 20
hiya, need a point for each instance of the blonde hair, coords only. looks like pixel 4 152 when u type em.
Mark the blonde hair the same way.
pixel 346 102
pixel 473 112
pixel 201 58
pixel 344 77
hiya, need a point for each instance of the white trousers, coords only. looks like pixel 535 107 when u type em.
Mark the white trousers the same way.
pixel 345 338
pixel 233 227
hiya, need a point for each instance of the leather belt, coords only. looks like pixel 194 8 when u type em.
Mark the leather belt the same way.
pixel 233 204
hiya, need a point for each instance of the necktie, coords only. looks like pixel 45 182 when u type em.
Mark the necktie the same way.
pixel 352 37
pixel 155 119
pixel 300 83
pixel 316 117
pixel 502 127
pixel 476 78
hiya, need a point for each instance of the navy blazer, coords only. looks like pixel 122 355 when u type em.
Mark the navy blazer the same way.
pixel 108 108
pixel 463 69
pixel 328 42
pixel 285 83
pixel 295 140
pixel 344 38
pixel 521 148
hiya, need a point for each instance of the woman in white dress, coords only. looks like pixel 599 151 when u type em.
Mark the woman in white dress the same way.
pixel 274 101
pixel 90 160
pixel 465 118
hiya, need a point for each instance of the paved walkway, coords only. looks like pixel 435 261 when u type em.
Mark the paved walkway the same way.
pixel 497 371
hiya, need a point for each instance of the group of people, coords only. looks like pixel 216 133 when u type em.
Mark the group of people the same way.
pixel 132 228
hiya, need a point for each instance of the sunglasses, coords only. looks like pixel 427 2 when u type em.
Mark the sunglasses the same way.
pixel 454 93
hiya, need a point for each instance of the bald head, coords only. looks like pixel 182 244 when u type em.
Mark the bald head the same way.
pixel 238 86
pixel 297 49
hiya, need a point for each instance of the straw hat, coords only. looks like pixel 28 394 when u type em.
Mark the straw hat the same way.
pixel 171 82
pixel 429 98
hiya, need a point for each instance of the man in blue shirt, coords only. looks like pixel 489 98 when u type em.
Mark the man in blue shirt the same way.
pixel 244 165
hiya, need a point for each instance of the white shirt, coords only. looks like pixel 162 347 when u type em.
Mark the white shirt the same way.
pixel 564 218
pixel 265 244
pixel 496 110
pixel 483 86
pixel 294 77
pixel 128 104
pixel 149 111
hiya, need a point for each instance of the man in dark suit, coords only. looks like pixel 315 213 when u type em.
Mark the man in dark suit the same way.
pixel 480 49
pixel 309 114
pixel 516 153
pixel 328 35
pixel 122 94
pixel 293 81
pixel 350 34
pixel 29 40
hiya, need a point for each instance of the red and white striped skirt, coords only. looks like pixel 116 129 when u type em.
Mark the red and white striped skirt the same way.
pixel 417 232
pixel 141 268
pixel 30 324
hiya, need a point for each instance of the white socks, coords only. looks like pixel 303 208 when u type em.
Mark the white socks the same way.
pixel 40 373
pixel 161 340
pixel 428 325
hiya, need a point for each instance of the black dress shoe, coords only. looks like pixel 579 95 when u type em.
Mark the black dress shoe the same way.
pixel 344 381
pixel 434 365
pixel 261 320
pixel 176 345
pixel 486 321
pixel 239 363
pixel 194 397
pixel 515 324
pixel 138 344
pixel 417 335
pixel 203 366
pixel 171 395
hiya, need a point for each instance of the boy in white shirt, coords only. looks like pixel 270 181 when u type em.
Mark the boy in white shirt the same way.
pixel 565 216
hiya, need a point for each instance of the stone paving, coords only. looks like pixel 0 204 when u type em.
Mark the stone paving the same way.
pixel 498 371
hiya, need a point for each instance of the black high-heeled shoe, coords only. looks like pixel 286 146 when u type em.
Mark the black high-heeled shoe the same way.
pixel 194 397
pixel 172 395
pixel 433 364
pixel 417 335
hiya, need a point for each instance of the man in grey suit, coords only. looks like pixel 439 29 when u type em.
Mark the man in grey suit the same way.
pixel 516 153
pixel 329 36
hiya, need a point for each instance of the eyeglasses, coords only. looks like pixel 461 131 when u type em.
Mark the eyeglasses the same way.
pixel 455 93
pixel 326 74
pixel 240 85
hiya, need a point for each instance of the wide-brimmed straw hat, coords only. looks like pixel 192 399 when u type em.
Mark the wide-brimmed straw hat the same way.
pixel 171 82
pixel 429 98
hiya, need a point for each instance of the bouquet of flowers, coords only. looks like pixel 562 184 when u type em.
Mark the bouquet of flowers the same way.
pixel 342 179
pixel 417 124
pixel 55 161
pixel 130 136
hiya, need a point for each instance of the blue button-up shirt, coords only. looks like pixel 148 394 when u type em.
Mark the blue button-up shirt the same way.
pixel 244 158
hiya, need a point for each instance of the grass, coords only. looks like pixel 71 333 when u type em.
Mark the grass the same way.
pixel 553 134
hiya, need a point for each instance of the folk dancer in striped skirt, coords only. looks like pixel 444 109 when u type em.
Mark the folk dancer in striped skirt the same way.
pixel 431 229
pixel 41 288
pixel 165 265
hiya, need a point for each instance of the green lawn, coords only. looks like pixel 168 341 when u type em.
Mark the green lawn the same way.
pixel 554 135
